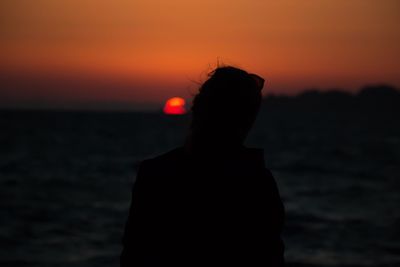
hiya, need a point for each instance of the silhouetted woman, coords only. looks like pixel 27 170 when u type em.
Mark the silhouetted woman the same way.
pixel 210 202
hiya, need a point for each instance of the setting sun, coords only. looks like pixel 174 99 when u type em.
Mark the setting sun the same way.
pixel 175 106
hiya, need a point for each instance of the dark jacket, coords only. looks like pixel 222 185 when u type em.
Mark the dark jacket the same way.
pixel 202 209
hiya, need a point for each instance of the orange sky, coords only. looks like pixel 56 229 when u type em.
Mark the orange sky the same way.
pixel 148 50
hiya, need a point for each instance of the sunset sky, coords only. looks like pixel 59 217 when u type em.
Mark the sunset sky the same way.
pixel 138 53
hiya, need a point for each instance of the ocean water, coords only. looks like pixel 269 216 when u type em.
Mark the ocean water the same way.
pixel 65 181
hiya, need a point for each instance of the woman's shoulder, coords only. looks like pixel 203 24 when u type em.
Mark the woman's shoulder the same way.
pixel 165 159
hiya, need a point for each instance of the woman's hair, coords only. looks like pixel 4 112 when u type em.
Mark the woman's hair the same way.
pixel 228 101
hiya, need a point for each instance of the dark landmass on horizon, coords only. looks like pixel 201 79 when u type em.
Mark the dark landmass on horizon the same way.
pixel 370 98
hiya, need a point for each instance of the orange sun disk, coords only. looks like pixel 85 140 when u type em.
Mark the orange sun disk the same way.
pixel 175 106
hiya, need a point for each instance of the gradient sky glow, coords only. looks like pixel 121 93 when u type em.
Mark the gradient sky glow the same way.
pixel 67 52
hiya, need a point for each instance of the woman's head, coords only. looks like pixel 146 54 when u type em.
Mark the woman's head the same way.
pixel 227 104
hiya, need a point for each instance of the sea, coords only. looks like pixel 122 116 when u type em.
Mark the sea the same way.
pixel 66 178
